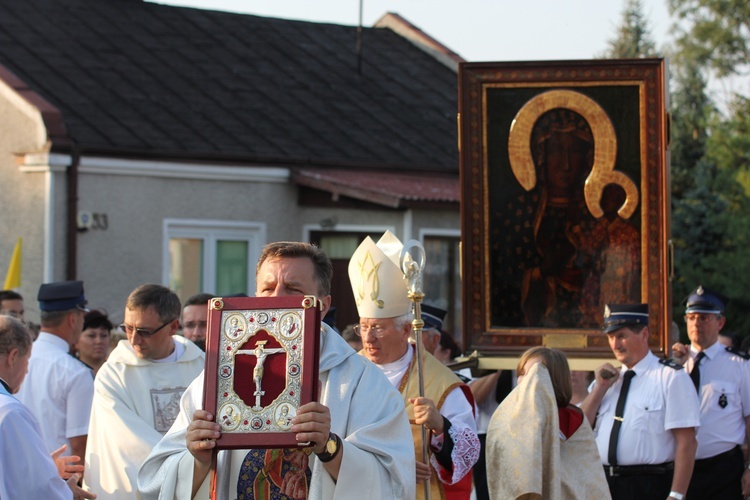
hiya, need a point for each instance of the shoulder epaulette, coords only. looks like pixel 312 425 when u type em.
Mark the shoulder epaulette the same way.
pixel 670 362
pixel 84 364
pixel 737 352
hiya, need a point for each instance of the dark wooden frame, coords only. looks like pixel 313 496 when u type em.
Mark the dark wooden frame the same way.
pixel 301 364
pixel 479 84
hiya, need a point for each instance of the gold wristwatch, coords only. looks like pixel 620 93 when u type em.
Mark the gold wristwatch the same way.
pixel 333 446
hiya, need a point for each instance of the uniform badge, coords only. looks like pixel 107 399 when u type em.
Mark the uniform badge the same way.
pixel 607 312
pixel 700 290
pixel 723 400
pixel 739 353
pixel 672 363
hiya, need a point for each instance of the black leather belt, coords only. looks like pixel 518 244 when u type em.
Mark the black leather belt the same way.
pixel 638 470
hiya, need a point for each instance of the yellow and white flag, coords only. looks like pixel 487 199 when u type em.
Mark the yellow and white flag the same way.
pixel 13 276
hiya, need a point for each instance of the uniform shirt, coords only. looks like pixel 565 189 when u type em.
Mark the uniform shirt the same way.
pixel 724 400
pixel 58 390
pixel 660 399
pixel 27 467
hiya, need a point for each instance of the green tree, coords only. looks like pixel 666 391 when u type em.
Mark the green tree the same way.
pixel 633 35
pixel 728 145
pixel 729 142
pixel 711 156
pixel 691 111
pixel 717 30
pixel 711 233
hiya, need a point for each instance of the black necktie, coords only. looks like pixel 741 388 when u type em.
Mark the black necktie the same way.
pixel 619 410
pixel 695 373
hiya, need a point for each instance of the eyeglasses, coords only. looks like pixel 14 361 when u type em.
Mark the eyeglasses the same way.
pixel 700 317
pixel 143 332
pixel 377 330
pixel 195 324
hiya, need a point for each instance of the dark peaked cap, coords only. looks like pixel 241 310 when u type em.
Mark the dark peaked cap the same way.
pixel 62 296
pixel 433 317
pixel 618 316
pixel 703 300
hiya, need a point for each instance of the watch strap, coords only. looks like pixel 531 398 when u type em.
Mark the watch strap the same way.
pixel 327 456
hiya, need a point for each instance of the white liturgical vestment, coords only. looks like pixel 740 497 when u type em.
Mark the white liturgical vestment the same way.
pixel 135 403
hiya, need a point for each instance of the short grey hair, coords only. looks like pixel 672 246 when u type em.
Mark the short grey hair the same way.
pixel 400 321
pixel 14 335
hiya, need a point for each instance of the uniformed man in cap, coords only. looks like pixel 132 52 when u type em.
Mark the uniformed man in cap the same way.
pixel 433 324
pixel 644 414
pixel 447 408
pixel 721 376
pixel 59 388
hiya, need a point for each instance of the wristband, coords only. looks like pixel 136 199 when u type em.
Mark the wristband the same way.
pixel 333 446
pixel 675 495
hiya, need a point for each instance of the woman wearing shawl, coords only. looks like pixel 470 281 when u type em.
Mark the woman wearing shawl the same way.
pixel 540 445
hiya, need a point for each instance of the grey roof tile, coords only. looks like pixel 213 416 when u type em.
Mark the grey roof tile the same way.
pixel 140 78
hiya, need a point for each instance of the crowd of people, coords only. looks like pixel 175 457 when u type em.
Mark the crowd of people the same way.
pixel 93 410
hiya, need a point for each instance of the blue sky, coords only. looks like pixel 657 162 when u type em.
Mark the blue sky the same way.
pixel 478 30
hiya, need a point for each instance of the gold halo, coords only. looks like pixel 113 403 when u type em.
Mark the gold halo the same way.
pixel 605 148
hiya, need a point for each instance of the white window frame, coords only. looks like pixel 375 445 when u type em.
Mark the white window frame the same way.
pixel 346 228
pixel 211 231
pixel 435 232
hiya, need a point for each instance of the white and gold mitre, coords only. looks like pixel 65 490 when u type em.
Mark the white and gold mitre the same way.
pixel 378 283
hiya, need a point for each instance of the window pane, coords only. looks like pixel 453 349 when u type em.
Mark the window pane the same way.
pixel 185 266
pixel 442 280
pixel 339 246
pixel 231 267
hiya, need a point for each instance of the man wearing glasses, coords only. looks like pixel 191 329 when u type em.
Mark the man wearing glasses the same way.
pixel 58 388
pixel 137 391
pixel 722 379
pixel 447 410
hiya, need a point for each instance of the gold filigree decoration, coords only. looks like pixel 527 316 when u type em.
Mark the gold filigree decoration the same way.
pixel 605 148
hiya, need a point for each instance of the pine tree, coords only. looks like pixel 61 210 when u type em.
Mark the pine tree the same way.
pixel 633 35
pixel 691 112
